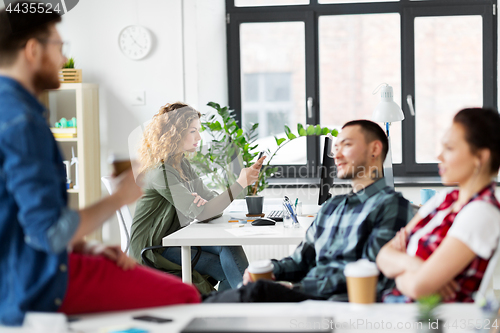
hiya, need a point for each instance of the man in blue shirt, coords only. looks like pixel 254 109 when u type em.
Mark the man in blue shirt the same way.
pixel 347 228
pixel 36 226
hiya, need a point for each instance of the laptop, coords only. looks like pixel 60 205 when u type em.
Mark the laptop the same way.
pixel 260 324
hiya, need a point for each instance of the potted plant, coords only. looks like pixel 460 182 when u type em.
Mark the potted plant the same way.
pixel 229 140
pixel 68 74
pixel 427 315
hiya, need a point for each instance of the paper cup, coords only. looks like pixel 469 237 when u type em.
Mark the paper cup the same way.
pixel 362 277
pixel 261 270
pixel 119 163
pixel 426 194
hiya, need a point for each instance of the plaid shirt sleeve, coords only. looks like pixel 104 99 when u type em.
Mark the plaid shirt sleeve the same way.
pixel 295 267
pixel 303 259
pixel 389 219
pixel 385 216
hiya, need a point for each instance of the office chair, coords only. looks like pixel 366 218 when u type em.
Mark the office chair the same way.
pixel 125 223
pixel 124 217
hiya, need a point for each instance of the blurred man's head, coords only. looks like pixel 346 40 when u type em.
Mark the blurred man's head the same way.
pixel 30 43
pixel 360 150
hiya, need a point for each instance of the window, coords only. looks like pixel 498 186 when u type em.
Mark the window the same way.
pixel 318 62
pixel 273 85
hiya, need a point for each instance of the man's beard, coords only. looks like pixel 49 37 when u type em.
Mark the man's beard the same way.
pixel 46 78
pixel 356 171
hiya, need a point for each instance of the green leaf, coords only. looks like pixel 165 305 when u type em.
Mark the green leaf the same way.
pixel 335 132
pixel 301 130
pixel 287 130
pixel 240 141
pixel 325 131
pixel 310 130
pixel 239 132
pixel 214 105
pixel 280 141
pixel 318 130
pixel 215 126
pixel 291 136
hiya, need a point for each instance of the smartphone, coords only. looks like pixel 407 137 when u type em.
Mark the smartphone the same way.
pixel 153 319
pixel 258 158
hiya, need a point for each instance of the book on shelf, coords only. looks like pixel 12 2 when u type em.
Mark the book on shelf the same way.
pixel 64 133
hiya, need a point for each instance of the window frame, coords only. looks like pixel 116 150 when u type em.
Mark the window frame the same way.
pixel 408 10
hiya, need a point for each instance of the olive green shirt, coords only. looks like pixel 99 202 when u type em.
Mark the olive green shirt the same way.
pixel 166 206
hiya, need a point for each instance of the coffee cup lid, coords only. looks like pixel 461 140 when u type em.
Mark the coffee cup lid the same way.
pixel 115 157
pixel 259 267
pixel 361 268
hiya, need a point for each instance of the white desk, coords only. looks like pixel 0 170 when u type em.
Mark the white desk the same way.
pixel 349 317
pixel 215 233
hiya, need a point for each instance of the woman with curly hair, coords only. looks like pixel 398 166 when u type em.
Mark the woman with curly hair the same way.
pixel 446 247
pixel 174 195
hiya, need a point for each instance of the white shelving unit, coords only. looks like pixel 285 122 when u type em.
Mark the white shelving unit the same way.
pixel 80 100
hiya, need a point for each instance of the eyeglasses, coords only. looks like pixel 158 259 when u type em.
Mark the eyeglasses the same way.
pixel 64 46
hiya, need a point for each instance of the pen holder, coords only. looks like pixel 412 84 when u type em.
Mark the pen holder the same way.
pixel 288 221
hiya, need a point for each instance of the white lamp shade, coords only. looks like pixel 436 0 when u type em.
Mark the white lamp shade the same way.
pixel 387 110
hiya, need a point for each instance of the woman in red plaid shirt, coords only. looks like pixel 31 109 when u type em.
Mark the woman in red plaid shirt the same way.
pixel 446 247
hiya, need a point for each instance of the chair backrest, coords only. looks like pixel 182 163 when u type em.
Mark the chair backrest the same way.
pixel 124 217
pixel 486 286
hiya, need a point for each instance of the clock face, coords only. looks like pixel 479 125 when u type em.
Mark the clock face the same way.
pixel 135 42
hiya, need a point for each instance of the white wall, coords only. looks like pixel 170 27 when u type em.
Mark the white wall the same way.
pixel 187 65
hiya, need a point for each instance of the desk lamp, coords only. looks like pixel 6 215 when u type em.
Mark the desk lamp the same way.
pixel 387 111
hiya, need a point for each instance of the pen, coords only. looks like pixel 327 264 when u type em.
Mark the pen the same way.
pixel 288 207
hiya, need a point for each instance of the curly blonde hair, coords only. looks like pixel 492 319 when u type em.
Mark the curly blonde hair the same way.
pixel 163 136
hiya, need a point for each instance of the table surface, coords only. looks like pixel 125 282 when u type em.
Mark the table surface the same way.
pixel 347 317
pixel 217 232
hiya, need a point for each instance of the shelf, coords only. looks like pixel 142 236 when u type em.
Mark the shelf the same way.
pixel 83 104
pixel 66 139
pixel 74 86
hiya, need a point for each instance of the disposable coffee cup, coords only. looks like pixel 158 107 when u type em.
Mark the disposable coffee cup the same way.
pixel 119 164
pixel 362 277
pixel 426 194
pixel 255 204
pixel 261 270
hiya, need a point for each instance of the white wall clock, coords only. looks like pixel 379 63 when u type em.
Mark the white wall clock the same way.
pixel 135 42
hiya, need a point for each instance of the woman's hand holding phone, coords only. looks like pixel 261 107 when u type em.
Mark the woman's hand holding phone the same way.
pixel 250 175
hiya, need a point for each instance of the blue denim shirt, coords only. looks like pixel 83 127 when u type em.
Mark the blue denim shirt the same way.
pixel 35 223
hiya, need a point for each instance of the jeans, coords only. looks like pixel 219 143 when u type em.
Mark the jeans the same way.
pixel 260 291
pixel 226 264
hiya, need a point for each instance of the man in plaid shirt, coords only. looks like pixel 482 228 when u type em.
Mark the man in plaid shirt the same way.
pixel 347 228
